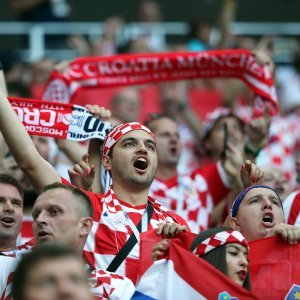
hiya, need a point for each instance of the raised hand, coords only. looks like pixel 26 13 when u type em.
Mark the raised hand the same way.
pixel 82 174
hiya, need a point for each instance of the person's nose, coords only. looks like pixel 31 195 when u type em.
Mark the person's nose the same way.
pixel 141 148
pixel 244 261
pixel 267 203
pixel 8 206
pixel 41 219
pixel 66 290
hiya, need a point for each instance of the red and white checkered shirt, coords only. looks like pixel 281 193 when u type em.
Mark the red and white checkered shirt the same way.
pixel 291 207
pixel 283 144
pixel 106 285
pixel 192 196
pixel 111 230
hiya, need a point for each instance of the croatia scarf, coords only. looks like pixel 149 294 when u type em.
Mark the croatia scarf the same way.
pixel 133 69
pixel 58 120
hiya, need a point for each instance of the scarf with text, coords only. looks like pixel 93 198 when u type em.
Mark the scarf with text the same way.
pixel 132 69
pixel 58 120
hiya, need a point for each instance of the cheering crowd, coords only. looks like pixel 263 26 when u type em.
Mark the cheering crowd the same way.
pixel 191 169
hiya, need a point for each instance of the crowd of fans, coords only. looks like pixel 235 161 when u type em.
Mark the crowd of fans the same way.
pixel 199 161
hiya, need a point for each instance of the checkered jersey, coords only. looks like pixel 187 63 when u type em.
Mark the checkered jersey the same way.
pixel 284 141
pixel 192 196
pixel 19 250
pixel 106 285
pixel 219 239
pixel 8 265
pixel 291 207
pixel 110 230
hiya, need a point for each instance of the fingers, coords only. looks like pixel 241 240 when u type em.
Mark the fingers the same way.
pixel 289 233
pixel 170 230
pixel 99 112
pixel 160 249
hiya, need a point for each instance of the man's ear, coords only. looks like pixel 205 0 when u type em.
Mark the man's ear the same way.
pixel 86 226
pixel 106 161
pixel 234 224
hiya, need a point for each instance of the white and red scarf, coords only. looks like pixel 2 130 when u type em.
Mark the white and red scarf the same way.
pixel 132 69
pixel 58 120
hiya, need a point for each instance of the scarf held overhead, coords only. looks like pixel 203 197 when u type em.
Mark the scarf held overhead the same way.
pixel 132 69
pixel 58 120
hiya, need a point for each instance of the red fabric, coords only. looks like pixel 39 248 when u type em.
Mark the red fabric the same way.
pixel 204 101
pixel 130 69
pixel 274 267
pixel 150 238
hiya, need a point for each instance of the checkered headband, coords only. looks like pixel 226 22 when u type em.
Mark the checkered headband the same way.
pixel 113 137
pixel 219 239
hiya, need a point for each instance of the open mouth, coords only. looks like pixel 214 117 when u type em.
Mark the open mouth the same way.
pixel 242 275
pixel 7 221
pixel 268 219
pixel 141 164
pixel 173 150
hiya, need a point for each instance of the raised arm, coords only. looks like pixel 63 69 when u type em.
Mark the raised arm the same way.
pixel 39 171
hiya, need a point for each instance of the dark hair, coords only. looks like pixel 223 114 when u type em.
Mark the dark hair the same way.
pixel 216 257
pixel 156 116
pixel 7 179
pixel 18 88
pixel 31 259
pixel 85 207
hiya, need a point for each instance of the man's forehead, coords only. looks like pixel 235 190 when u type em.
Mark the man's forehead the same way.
pixel 54 196
pixel 136 134
pixel 8 190
pixel 260 192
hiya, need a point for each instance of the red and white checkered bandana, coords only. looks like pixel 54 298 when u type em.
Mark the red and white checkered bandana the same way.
pixel 113 137
pixel 219 239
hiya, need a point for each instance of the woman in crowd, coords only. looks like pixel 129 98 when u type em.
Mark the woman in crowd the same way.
pixel 224 248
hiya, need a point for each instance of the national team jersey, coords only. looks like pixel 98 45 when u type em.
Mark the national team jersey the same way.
pixel 192 196
pixel 291 207
pixel 111 230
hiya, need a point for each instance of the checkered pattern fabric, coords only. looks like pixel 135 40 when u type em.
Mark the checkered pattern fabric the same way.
pixel 20 250
pixel 219 239
pixel 112 138
pixel 8 265
pixel 105 285
pixel 284 142
pixel 110 231
pixel 192 196
pixel 57 90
